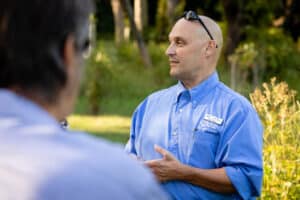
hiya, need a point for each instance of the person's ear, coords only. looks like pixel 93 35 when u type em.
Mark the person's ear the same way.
pixel 210 48
pixel 69 53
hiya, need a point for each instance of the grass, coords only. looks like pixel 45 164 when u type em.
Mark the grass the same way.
pixel 112 127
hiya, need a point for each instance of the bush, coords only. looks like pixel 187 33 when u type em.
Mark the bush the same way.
pixel 116 80
pixel 280 114
pixel 278 55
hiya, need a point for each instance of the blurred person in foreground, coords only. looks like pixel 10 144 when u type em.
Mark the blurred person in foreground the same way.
pixel 201 139
pixel 41 61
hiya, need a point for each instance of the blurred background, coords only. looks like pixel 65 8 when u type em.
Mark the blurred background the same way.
pixel 260 59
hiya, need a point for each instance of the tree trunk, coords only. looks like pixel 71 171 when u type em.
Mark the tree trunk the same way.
pixel 162 22
pixel 233 75
pixel 139 38
pixel 233 15
pixel 119 21
pixel 140 14
pixel 292 18
pixel 171 7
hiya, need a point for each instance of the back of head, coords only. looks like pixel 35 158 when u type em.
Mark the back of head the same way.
pixel 32 37
pixel 214 29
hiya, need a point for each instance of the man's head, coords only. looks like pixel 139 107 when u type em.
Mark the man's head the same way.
pixel 194 51
pixel 41 47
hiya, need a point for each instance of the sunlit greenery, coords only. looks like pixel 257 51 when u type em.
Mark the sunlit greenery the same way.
pixel 112 127
pixel 280 113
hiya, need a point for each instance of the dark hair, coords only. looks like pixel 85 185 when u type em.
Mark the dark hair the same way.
pixel 32 37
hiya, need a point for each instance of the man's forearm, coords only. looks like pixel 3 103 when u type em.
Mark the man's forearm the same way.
pixel 170 169
pixel 212 179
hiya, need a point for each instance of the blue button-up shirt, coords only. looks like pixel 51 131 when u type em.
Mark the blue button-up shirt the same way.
pixel 41 161
pixel 208 126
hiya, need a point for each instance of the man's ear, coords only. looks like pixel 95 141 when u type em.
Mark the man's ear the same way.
pixel 210 48
pixel 69 52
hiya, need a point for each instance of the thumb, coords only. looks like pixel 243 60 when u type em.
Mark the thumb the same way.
pixel 166 154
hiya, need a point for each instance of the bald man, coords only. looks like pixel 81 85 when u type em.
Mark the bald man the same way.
pixel 201 139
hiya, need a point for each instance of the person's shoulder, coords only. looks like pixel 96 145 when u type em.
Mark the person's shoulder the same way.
pixel 108 153
pixel 72 165
pixel 106 167
pixel 156 96
pixel 87 143
pixel 162 93
pixel 234 98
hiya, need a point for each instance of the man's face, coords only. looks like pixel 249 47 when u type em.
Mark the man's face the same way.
pixel 186 50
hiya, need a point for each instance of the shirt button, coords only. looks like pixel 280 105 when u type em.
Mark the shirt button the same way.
pixel 180 110
pixel 174 133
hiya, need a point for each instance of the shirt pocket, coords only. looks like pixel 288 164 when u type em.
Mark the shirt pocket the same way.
pixel 204 147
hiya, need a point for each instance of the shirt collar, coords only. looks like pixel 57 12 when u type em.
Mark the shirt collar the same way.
pixel 196 93
pixel 18 107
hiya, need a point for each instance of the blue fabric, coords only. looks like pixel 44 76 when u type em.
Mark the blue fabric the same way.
pixel 208 126
pixel 41 161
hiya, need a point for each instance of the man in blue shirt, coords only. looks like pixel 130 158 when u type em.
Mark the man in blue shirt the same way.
pixel 41 61
pixel 200 138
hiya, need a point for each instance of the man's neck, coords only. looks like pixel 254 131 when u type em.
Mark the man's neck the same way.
pixel 190 83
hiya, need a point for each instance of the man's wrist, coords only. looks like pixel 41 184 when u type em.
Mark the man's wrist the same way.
pixel 183 172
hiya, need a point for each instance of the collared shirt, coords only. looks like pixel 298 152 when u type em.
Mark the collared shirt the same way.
pixel 208 126
pixel 39 160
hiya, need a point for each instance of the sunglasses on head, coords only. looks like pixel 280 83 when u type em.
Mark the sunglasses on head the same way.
pixel 192 16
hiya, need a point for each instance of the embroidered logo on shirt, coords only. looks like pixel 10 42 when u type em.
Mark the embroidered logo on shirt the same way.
pixel 213 119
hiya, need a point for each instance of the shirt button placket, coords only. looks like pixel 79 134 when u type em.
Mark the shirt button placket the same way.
pixel 174 141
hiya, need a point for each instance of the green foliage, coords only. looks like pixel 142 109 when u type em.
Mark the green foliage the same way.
pixel 261 12
pixel 116 80
pixel 245 55
pixel 97 76
pixel 274 54
pixel 165 22
pixel 280 114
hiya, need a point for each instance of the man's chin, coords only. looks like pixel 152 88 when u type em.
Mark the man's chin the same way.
pixel 173 74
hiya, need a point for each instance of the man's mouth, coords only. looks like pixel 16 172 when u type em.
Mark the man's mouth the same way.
pixel 173 61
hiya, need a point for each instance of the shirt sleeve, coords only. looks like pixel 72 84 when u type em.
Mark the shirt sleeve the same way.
pixel 241 151
pixel 136 123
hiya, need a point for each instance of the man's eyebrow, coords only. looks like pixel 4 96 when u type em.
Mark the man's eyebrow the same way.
pixel 177 38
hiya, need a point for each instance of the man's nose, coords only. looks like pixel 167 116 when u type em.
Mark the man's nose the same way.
pixel 170 50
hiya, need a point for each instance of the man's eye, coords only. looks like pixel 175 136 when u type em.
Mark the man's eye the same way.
pixel 179 43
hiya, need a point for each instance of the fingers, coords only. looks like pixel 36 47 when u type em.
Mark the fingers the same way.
pixel 151 163
pixel 155 167
pixel 166 154
pixel 159 149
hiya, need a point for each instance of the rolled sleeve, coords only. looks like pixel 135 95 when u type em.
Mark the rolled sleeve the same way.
pixel 242 153
pixel 247 185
